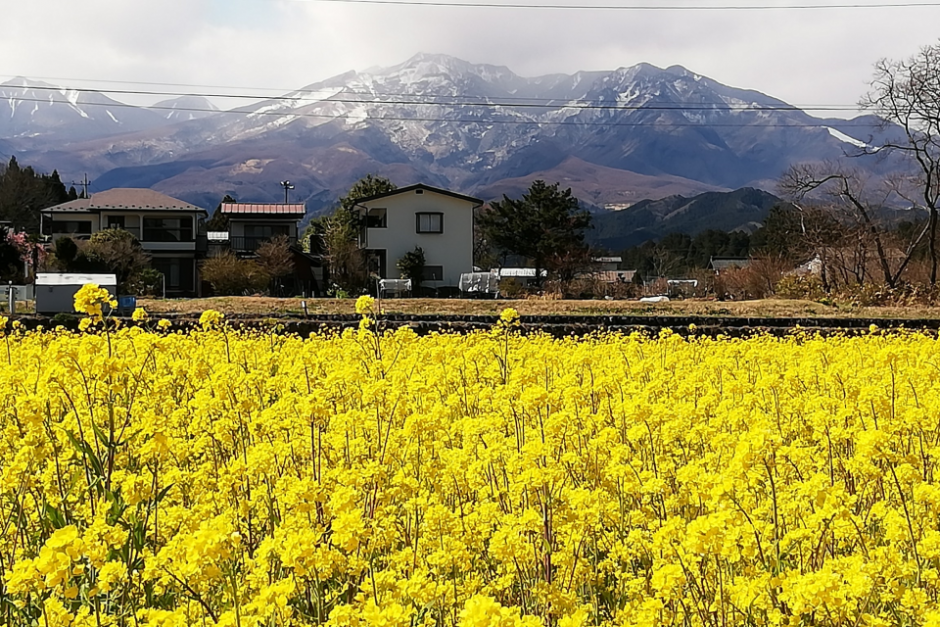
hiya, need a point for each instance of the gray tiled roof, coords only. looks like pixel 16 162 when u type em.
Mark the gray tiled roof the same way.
pixel 122 199
pixel 73 206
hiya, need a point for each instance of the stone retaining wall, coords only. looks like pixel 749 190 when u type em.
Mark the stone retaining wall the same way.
pixel 558 326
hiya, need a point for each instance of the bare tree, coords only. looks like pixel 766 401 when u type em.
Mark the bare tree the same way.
pixel 347 261
pixel 907 93
pixel 850 193
pixel 277 260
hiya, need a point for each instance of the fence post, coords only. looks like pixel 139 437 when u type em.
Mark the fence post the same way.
pixel 11 298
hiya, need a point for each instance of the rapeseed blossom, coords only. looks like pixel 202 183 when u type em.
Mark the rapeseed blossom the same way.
pixel 211 319
pixel 234 477
pixel 365 305
pixel 90 300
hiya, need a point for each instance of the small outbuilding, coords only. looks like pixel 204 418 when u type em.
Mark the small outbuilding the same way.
pixel 55 291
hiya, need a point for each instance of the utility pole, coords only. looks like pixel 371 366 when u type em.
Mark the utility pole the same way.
pixel 84 183
pixel 287 187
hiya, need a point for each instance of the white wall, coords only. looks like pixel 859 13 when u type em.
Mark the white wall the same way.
pixel 452 249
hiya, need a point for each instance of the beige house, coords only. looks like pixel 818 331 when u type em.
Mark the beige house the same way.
pixel 438 221
pixel 166 228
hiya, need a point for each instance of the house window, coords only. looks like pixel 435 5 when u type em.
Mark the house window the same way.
pixel 429 222
pixel 433 273
pixel 419 191
pixel 266 231
pixel 168 229
pixel 115 222
pixel 377 219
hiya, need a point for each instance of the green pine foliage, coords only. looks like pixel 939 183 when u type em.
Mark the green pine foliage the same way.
pixel 25 192
pixel 546 224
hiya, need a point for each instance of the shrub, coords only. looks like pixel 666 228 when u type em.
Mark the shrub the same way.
pixel 511 288
pixel 115 251
pixel 231 276
pixel 800 287
pixel 147 282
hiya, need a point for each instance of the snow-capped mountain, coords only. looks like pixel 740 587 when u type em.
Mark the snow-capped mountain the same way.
pixel 39 110
pixel 470 126
pixel 185 108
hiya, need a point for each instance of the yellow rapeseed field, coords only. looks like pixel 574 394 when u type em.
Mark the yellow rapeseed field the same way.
pixel 232 477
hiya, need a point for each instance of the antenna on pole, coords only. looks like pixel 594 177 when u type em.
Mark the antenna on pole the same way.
pixel 287 187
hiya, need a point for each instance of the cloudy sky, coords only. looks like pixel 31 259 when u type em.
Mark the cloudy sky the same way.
pixel 804 56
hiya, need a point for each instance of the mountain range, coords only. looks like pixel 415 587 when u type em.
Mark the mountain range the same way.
pixel 615 137
pixel 739 210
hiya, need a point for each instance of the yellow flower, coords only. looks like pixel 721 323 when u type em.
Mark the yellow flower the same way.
pixel 164 324
pixel 139 315
pixel 509 315
pixel 364 305
pixel 662 481
pixel 90 299
pixel 211 319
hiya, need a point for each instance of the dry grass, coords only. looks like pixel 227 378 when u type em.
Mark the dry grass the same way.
pixel 262 306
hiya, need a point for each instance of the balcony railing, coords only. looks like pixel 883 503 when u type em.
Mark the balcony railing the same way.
pixel 167 235
pixel 250 243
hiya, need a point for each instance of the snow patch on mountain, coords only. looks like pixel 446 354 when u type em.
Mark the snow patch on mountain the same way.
pixel 842 137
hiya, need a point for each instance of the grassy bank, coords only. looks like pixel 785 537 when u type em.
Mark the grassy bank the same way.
pixel 263 306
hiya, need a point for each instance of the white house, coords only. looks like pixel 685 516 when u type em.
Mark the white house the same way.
pixel 438 221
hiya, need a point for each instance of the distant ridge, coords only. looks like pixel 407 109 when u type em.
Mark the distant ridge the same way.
pixel 741 209
pixel 616 136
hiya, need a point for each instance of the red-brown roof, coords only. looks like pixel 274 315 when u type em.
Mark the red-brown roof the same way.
pixel 264 209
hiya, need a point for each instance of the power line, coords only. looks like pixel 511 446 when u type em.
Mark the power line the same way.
pixel 280 91
pixel 480 101
pixel 674 8
pixel 530 122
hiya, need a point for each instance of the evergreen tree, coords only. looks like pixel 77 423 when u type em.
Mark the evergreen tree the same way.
pixel 10 264
pixel 544 223
pixel 24 193
pixel 219 221
pixel 411 266
pixel 367 186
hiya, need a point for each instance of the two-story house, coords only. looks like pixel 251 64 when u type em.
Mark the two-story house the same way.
pixel 166 227
pixel 438 221
pixel 252 224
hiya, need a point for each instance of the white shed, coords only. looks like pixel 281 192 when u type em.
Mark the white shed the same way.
pixel 55 291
